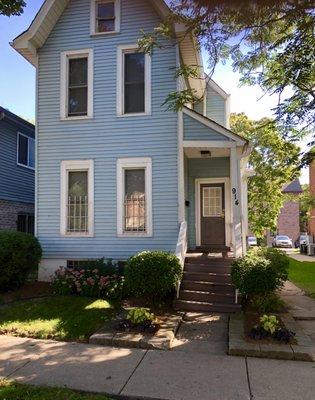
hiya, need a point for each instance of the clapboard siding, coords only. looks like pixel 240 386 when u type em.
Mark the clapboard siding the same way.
pixel 202 168
pixel 106 137
pixel 17 183
pixel 216 107
pixel 195 130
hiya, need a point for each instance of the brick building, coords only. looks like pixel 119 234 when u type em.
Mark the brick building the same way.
pixel 289 217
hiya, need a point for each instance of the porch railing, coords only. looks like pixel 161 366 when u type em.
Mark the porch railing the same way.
pixel 181 248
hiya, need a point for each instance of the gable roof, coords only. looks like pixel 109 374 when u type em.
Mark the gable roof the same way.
pixel 28 42
pixel 11 117
pixel 293 187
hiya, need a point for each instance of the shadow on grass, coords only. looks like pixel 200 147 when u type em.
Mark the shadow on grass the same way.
pixel 56 317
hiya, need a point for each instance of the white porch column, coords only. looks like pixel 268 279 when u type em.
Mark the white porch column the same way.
pixel 180 167
pixel 236 198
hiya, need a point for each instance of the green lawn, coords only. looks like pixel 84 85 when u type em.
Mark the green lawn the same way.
pixel 55 317
pixel 302 274
pixel 13 391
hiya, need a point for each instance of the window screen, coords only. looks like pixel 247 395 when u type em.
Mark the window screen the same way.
pixel 105 16
pixel 77 86
pixel 134 86
pixel 134 200
pixel 77 220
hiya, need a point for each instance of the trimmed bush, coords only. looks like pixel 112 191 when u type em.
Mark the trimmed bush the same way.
pixel 152 275
pixel 260 272
pixel 20 254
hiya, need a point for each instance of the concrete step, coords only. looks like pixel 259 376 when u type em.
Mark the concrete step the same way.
pixel 220 269
pixel 206 277
pixel 213 287
pixel 207 297
pixel 185 305
pixel 209 261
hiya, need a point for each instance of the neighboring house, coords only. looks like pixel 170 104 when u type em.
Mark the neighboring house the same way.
pixel 289 218
pixel 17 172
pixel 118 172
pixel 312 190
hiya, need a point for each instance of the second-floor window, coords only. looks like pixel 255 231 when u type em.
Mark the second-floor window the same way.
pixel 105 16
pixel 77 84
pixel 134 82
pixel 25 151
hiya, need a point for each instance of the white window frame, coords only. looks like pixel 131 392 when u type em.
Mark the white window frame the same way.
pixel 76 165
pixel 64 79
pixel 121 50
pixel 28 151
pixel 93 31
pixel 134 163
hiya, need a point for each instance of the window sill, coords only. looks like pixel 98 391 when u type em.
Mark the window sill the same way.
pixel 25 166
pixel 81 118
pixel 71 235
pixel 134 235
pixel 145 114
pixel 99 34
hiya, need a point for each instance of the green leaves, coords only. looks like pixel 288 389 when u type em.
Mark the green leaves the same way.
pixel 11 7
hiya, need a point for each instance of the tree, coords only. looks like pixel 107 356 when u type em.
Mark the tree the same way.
pixel 275 161
pixel 11 7
pixel 307 202
pixel 270 42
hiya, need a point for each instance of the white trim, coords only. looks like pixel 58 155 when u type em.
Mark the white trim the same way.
pixel 218 89
pixel 29 139
pixel 227 207
pixel 209 143
pixel 121 50
pixel 126 163
pixel 64 75
pixel 181 174
pixel 36 151
pixel 76 165
pixel 216 127
pixel 93 18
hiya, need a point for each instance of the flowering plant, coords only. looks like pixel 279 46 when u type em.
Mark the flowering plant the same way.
pixel 87 282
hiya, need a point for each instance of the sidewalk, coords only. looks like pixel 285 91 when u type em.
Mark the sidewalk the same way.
pixel 168 375
pixel 301 257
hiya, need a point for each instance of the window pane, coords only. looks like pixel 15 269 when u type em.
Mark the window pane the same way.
pixel 77 101
pixel 134 98
pixel 135 202
pixel 21 222
pixel 106 25
pixel 77 220
pixel 23 149
pixel 78 181
pixel 78 71
pixel 134 67
pixel 31 154
pixel 106 10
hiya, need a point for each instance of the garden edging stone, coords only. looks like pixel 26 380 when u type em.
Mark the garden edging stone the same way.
pixel 238 346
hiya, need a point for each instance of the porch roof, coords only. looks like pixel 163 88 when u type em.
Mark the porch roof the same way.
pixel 202 129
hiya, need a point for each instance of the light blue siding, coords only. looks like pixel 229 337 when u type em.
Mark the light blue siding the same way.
pixel 17 183
pixel 216 107
pixel 201 168
pixel 198 107
pixel 194 130
pixel 106 137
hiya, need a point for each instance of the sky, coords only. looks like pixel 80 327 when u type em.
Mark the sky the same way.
pixel 17 77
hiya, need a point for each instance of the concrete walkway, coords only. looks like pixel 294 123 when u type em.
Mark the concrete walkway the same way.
pixel 168 375
pixel 302 257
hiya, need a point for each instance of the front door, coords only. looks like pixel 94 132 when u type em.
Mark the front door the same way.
pixel 212 214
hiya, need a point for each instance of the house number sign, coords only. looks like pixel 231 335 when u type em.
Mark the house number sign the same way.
pixel 236 202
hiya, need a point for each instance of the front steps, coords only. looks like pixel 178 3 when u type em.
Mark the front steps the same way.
pixel 207 285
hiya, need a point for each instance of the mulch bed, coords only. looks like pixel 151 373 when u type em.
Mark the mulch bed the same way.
pixel 30 290
pixel 251 319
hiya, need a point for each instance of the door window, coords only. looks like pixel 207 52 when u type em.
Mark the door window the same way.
pixel 211 201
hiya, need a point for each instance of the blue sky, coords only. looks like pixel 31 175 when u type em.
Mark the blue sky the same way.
pixel 17 77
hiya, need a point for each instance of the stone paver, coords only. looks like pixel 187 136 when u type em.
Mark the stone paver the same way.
pixel 281 380
pixel 186 376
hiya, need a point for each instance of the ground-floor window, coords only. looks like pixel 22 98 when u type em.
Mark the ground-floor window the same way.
pixel 134 196
pixel 77 198
pixel 25 222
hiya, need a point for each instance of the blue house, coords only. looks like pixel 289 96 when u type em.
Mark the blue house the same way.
pixel 118 173
pixel 17 172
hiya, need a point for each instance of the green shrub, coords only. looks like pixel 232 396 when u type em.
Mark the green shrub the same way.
pixel 152 275
pixel 20 254
pixel 140 315
pixel 269 323
pixel 260 272
pixel 267 303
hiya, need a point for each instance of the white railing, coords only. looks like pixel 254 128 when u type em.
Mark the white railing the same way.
pixel 181 247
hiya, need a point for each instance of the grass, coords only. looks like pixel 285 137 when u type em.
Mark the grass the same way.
pixel 302 274
pixel 56 317
pixel 13 391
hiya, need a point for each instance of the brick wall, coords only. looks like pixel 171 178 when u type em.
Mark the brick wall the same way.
pixel 9 211
pixel 289 220
pixel 312 188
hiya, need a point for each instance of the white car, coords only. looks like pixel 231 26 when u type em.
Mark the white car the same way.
pixel 282 241
pixel 252 241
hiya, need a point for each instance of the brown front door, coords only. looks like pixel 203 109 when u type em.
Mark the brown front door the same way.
pixel 212 215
